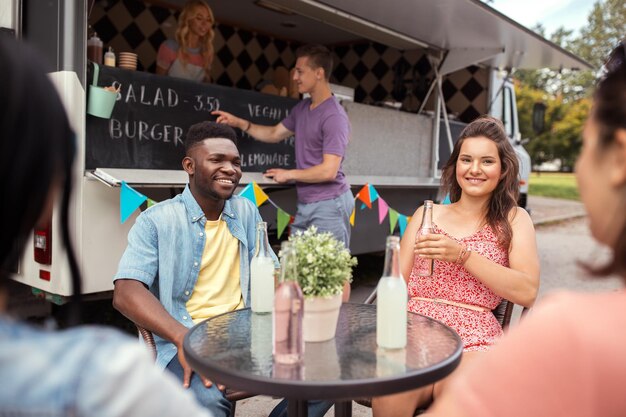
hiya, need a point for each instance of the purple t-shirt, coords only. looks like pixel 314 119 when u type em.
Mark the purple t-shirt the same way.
pixel 323 130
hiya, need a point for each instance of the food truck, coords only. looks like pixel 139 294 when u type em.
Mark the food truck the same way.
pixel 410 74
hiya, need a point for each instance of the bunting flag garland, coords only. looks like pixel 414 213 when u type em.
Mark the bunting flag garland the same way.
pixel 259 195
pixel 248 192
pixel 130 200
pixel 393 220
pixel 402 222
pixel 364 195
pixel 373 193
pixel 282 220
pixel 383 209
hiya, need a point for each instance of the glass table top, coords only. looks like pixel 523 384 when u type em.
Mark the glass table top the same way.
pixel 236 349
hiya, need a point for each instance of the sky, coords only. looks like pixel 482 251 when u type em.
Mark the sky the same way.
pixel 571 14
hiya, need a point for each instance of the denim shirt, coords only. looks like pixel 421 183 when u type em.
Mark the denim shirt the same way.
pixel 165 248
pixel 87 371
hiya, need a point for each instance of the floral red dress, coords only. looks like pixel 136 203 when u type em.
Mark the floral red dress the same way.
pixel 478 329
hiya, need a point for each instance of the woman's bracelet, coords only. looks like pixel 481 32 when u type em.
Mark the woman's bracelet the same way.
pixel 466 256
pixel 461 258
pixel 248 127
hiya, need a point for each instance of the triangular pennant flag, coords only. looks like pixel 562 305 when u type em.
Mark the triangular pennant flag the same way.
pixel 151 202
pixel 373 194
pixel 282 220
pixel 363 206
pixel 393 219
pixel 364 195
pixel 259 194
pixel 130 200
pixel 248 192
pixel 352 218
pixel 383 208
pixel 402 222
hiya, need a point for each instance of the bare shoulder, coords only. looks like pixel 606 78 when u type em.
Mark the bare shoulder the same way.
pixel 518 217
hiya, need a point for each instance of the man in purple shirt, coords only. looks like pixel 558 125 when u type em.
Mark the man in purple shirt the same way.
pixel 322 131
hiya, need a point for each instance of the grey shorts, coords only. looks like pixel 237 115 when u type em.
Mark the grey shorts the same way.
pixel 328 216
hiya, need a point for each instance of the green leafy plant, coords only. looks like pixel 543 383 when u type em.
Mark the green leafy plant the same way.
pixel 324 264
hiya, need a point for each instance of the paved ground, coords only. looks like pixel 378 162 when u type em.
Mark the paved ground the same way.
pixel 562 239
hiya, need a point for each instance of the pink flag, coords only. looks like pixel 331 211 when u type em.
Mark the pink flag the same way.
pixel 383 208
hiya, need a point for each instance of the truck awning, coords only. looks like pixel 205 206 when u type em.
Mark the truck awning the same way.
pixel 469 27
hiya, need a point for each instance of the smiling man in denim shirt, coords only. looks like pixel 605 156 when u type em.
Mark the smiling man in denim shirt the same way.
pixel 188 258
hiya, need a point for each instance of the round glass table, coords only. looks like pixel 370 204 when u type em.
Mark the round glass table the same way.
pixel 235 349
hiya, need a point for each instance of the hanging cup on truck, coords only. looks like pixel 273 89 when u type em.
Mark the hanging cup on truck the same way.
pixel 101 100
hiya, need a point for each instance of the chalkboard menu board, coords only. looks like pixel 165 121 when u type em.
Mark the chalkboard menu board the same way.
pixel 152 114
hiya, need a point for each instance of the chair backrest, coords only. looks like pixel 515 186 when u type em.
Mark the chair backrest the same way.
pixel 148 339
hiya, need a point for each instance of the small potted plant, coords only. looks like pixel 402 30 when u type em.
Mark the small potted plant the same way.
pixel 324 266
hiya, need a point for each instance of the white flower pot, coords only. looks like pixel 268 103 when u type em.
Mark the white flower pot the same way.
pixel 320 318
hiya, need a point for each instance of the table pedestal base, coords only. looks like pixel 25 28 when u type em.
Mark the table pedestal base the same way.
pixel 300 408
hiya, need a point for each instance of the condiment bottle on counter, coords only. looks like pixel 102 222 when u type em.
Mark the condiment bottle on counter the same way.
pixel 391 301
pixel 425 266
pixel 262 273
pixel 94 49
pixel 109 58
pixel 288 346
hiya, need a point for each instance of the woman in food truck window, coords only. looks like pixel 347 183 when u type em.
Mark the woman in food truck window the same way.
pixel 190 55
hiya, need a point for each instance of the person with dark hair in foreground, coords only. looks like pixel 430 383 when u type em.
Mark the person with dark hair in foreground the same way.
pixel 88 371
pixel 566 357
pixel 188 258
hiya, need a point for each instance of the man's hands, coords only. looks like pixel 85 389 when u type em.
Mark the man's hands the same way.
pixel 187 371
pixel 279 175
pixel 230 120
pixel 438 247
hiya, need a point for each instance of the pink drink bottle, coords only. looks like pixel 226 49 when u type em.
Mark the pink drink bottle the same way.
pixel 288 346
pixel 425 266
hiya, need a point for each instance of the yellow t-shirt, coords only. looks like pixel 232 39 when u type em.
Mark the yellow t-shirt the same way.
pixel 218 289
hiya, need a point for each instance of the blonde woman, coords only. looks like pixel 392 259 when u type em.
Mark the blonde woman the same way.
pixel 189 56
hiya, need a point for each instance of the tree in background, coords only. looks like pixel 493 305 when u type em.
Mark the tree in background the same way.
pixel 566 93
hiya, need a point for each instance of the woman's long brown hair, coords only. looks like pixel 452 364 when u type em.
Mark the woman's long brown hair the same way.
pixel 504 197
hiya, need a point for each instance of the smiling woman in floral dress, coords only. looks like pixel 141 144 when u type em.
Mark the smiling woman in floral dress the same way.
pixel 483 248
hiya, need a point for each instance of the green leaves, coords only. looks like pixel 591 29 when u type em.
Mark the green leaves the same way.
pixel 324 264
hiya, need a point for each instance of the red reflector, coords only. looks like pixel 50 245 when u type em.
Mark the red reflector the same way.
pixel 45 275
pixel 42 245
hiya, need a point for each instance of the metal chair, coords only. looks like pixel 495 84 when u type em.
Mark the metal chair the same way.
pixel 231 395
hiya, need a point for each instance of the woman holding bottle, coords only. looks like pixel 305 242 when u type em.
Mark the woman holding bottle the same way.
pixel 190 55
pixel 482 248
pixel 567 357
